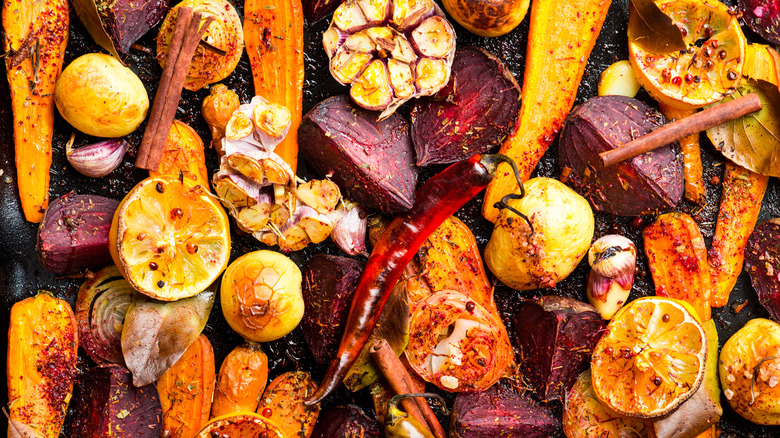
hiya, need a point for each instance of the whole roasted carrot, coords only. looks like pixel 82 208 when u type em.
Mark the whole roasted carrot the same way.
pixel 36 32
pixel 273 34
pixel 560 39
pixel 435 201
pixel 740 203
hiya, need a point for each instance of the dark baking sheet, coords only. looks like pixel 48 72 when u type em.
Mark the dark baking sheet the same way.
pixel 21 274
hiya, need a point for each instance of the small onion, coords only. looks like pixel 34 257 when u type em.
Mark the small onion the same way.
pixel 100 311
pixel 98 159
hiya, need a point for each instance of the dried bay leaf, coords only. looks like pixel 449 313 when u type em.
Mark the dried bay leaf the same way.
pixel 157 333
pixel 651 29
pixel 753 141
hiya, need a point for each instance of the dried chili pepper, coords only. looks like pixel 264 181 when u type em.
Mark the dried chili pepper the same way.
pixel 436 200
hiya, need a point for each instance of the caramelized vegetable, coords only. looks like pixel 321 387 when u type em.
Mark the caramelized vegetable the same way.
pixel 42 349
pixel 242 379
pixel 282 404
pixel 183 156
pixel 678 261
pixel 560 39
pixel 186 390
pixel 740 203
pixel 36 33
pixel 273 33
pixel 692 169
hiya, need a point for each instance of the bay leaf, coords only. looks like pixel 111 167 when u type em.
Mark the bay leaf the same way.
pixel 88 14
pixel 651 29
pixel 393 326
pixel 156 333
pixel 753 141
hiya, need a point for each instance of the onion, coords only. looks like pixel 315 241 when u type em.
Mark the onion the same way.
pixel 100 310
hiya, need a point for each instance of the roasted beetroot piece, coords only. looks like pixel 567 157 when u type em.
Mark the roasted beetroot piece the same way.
pixel 762 262
pixel 500 412
pixel 122 21
pixel 648 183
pixel 475 111
pixel 109 406
pixel 371 161
pixel 556 336
pixel 73 234
pixel 316 10
pixel 346 422
pixel 763 16
pixel 328 285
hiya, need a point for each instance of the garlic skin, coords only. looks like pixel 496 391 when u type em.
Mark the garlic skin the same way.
pixel 349 231
pixel 98 159
pixel 613 263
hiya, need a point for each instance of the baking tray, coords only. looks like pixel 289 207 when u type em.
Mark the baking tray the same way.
pixel 21 274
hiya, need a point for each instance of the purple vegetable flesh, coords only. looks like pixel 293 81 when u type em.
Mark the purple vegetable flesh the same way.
pixel 371 161
pixel 763 16
pixel 126 21
pixel 648 183
pixel 346 422
pixel 473 114
pixel 762 262
pixel 73 234
pixel 108 405
pixel 556 336
pixel 501 412
pixel 328 286
pixel 316 10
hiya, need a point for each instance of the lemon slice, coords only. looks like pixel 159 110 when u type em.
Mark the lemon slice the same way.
pixel 711 66
pixel 170 239
pixel 240 425
pixel 651 358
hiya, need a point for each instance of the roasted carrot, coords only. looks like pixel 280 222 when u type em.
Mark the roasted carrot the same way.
pixel 692 168
pixel 273 34
pixel 678 261
pixel 743 192
pixel 36 32
pixel 560 39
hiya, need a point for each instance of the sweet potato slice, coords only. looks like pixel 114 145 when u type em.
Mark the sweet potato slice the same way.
pixel 678 261
pixel 186 390
pixel 743 192
pixel 42 356
pixel 562 34
pixel 282 404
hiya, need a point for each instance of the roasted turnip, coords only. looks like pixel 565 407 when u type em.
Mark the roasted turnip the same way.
pixel 371 161
pixel 645 184
pixel 475 111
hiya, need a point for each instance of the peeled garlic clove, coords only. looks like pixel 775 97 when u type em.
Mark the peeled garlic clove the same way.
pixel 320 194
pixel 407 13
pixel 372 89
pixel 349 232
pixel 98 159
pixel 375 10
pixel 434 37
pixel 349 18
pixel 401 78
pixel 619 80
pixel 348 65
pixel 239 126
pixel 273 122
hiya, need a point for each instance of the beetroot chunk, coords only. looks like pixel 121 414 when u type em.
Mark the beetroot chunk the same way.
pixel 328 285
pixel 477 109
pixel 371 161
pixel 645 184
pixel 500 412
pixel 556 336
pixel 346 422
pixel 110 406
pixel 763 16
pixel 762 262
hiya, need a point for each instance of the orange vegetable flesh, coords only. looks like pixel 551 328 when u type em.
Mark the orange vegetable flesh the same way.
pixel 42 356
pixel 273 34
pixel 743 192
pixel 186 390
pixel 183 156
pixel 242 379
pixel 40 26
pixel 692 167
pixel 283 404
pixel 677 257
pixel 560 39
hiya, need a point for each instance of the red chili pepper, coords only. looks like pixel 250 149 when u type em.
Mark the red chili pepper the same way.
pixel 437 199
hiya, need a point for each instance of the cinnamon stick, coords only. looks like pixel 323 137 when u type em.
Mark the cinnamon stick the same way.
pixel 713 116
pixel 187 33
pixel 401 382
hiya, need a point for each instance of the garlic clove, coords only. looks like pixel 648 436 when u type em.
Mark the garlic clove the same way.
pixel 612 255
pixel 98 159
pixel 349 232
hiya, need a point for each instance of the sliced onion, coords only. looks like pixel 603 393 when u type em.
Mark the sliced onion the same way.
pixel 100 310
pixel 456 344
